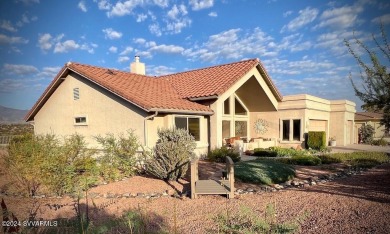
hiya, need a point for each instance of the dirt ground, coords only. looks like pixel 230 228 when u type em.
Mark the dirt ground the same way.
pixel 356 204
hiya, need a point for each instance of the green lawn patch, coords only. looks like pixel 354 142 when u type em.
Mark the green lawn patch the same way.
pixel 357 159
pixel 263 171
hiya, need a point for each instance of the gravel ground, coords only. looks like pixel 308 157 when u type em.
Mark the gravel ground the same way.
pixel 356 204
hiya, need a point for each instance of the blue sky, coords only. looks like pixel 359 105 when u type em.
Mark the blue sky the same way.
pixel 299 42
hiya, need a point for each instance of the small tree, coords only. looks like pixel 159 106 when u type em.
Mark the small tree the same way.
pixel 170 157
pixel 375 77
pixel 119 154
pixel 367 133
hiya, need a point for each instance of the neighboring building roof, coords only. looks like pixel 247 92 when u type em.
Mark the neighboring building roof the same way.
pixel 368 116
pixel 170 93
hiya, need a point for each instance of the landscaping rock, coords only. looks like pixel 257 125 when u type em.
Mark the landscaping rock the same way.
pixel 126 195
pixel 140 195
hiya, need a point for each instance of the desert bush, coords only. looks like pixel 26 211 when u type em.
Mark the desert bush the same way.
pixel 367 133
pixel 247 221
pixel 42 160
pixel 70 166
pixel 264 152
pixel 219 154
pixel 316 140
pixel 282 152
pixel 380 142
pixel 169 158
pixel 119 155
pixel 25 160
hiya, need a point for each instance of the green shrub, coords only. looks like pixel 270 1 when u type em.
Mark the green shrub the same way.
pixel 367 133
pixel 119 155
pixel 305 160
pixel 264 153
pixel 329 159
pixel 219 155
pixel 263 171
pixel 283 152
pixel 316 140
pixel 169 158
pixel 380 142
pixel 357 159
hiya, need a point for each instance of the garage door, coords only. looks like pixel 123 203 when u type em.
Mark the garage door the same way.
pixel 318 125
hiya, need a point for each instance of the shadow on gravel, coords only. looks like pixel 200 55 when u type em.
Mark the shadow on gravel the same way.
pixel 372 185
pixel 91 218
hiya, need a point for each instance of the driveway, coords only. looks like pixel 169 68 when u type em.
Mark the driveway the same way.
pixel 360 147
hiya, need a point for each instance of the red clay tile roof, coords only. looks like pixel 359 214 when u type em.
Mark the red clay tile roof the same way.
pixel 213 81
pixel 168 93
pixel 368 116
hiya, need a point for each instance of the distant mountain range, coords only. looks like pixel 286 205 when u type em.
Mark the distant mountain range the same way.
pixel 10 115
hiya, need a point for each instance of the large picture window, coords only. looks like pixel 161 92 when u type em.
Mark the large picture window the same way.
pixel 191 124
pixel 286 130
pixel 296 129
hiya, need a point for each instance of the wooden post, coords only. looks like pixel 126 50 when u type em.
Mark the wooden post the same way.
pixel 230 175
pixel 194 177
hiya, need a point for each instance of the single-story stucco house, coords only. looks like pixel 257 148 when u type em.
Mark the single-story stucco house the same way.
pixel 214 104
pixel 373 119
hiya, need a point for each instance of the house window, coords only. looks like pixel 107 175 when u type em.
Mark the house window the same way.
pixel 241 129
pixel 291 130
pixel 80 120
pixel 238 108
pixel 76 94
pixel 226 107
pixel 192 125
pixel 225 128
pixel 296 129
pixel 286 130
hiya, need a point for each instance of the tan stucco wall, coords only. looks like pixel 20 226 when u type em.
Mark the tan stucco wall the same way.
pixel 105 112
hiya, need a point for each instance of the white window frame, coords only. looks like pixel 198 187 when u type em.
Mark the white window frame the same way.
pixel 194 117
pixel 81 123
pixel 291 133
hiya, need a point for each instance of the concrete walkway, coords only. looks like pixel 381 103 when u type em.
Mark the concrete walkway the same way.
pixel 360 147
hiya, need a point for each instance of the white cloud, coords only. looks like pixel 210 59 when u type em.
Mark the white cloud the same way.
pixel 46 41
pixel 123 59
pixel 139 41
pixel 177 11
pixel 7 25
pixel 213 14
pixel 11 85
pixel 176 19
pixel 159 70
pixel 66 46
pixel 4 39
pixel 127 50
pixel 19 69
pixel 342 17
pixel 141 17
pixel 49 72
pixel 103 4
pixel 113 49
pixel 161 3
pixel 177 25
pixel 287 13
pixel 201 4
pixel 26 20
pixel 82 6
pixel 123 8
pixel 69 45
pixel 111 33
pixel 305 17
pixel 155 29
pixel 384 19
pixel 232 44
pixel 170 49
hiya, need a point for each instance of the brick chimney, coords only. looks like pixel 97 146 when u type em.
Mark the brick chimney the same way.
pixel 137 67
